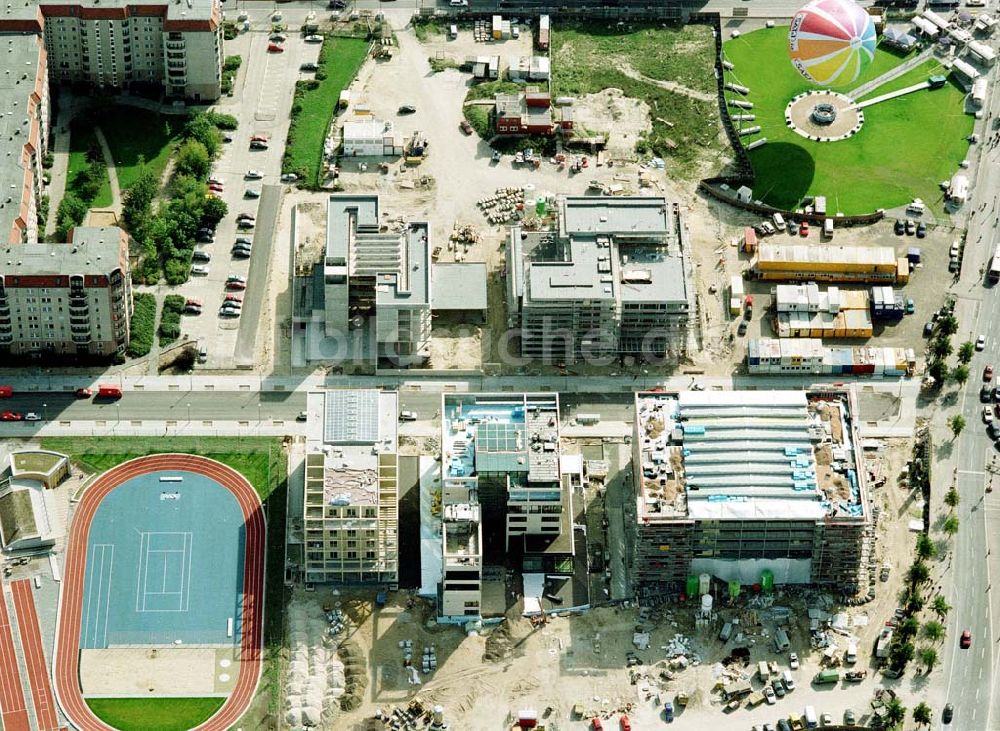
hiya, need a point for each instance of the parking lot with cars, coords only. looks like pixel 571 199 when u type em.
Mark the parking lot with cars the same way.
pixel 251 158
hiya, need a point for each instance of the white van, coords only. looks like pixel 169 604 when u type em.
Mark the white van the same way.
pixel 917 206
pixel 811 717
pixel 779 221
pixel 828 228
pixel 788 680
pixel 407 415
pixel 452 31
pixel 851 655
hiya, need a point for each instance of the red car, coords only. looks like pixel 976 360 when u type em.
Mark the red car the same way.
pixel 234 298
pixel 193 303
pixel 804 229
pixel 966 641
pixel 596 725
pixel 626 724
pixel 274 48
pixel 236 285
pixel 260 138
pixel 466 127
pixel 988 373
pixel 84 393
pixel 11 416
pixel 216 187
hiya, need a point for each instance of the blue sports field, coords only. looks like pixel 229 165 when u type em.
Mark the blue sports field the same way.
pixel 164 564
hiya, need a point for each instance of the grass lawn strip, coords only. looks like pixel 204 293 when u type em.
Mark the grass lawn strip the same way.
pixel 81 139
pixel 341 59
pixel 138 133
pixel 154 714
pixel 906 147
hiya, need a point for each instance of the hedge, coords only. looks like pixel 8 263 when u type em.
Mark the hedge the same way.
pixel 143 325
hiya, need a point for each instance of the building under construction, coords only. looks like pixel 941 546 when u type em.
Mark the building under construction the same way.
pixel 611 280
pixel 750 487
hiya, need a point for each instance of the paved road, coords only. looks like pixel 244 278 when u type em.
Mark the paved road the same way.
pixel 968 675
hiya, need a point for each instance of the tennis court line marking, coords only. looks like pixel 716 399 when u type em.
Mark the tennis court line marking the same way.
pixel 146 539
pixel 107 552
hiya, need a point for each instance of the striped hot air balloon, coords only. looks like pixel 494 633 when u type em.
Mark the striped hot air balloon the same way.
pixel 830 41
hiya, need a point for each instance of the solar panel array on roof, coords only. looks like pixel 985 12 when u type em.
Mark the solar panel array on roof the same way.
pixel 351 417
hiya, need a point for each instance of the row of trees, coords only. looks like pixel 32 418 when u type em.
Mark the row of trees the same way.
pixel 166 231
pixel 81 192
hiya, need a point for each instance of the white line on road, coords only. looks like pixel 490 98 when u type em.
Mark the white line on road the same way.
pixel 971 472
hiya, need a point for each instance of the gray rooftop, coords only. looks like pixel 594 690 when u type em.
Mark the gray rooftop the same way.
pixel 20 57
pixel 345 216
pixel 459 286
pixel 409 283
pixel 596 214
pixel 351 417
pixel 616 249
pixel 93 251
pixel 187 10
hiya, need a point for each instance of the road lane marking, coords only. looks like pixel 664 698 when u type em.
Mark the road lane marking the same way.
pixel 971 472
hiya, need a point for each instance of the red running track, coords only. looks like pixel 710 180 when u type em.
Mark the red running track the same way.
pixel 14 711
pixel 34 656
pixel 67 662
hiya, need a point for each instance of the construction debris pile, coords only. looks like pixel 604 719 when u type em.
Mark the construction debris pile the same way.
pixel 428 661
pixel 506 205
pixel 462 239
pixel 316 677
pixel 415 715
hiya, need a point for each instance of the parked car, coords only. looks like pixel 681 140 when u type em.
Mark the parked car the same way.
pixel 911 227
pixel 921 230
pixel 769 695
pixel 458 3
pixel 289 178
pixel 336 4
pixel 236 285
pixel 899 227
pixel 849 718
pixel 244 240
pixel 309 66
pixel 407 415
pixel 274 48
pixel 779 688
pixel 224 312
pixel 980 342
pixel 302 416
pixel 668 712
pixel 278 38
pixel 233 298
pixel 240 253
pixel 987 415
pixel 236 278
pixel 465 126
pixel 793 661
pixel 32 416
pixel 804 229
pixel 948 713
pixel 928 329
pixel 258 145
pixel 253 174
pixel 406 109
pixel 216 187
pixel 251 193
pixel 83 393
pixel 793 228
pixel 201 256
pixel 200 269
pixel 204 238
pixel 216 179
pixel 246 217
pixel 11 416
pixel 313 38
pixel 192 309
pixel 245 224
pixel 988 373
pixel 596 725
pixel 625 723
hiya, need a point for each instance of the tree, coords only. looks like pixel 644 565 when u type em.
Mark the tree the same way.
pixel 929 657
pixel 137 201
pixel 214 211
pixel 947 325
pixel 925 547
pixel 941 606
pixel 193 159
pixel 908 629
pixel 950 525
pixel 895 713
pixel 938 370
pixel 918 573
pixel 202 129
pixel 951 498
pixel 965 352
pixel 960 373
pixel 957 423
pixel 71 213
pixel 941 347
pixel 933 630
pixel 914 600
pixel 922 714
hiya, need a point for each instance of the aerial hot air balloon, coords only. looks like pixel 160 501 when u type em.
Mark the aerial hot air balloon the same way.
pixel 830 41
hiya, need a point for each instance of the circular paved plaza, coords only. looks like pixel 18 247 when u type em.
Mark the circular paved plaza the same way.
pixel 847 120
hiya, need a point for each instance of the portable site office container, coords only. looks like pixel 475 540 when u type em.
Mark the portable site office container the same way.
pixel 763 670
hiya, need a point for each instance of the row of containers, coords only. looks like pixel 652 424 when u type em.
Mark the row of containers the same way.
pixel 701 584
pixel 809 355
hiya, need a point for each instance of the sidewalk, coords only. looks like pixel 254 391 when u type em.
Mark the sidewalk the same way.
pixel 60 164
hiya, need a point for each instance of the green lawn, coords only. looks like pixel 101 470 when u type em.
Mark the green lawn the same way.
pixel 906 147
pixel 81 139
pixel 260 459
pixel 588 58
pixel 340 58
pixel 137 133
pixel 154 714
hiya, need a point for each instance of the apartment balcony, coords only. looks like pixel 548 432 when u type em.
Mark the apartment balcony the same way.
pixel 80 339
pixel 175 45
pixel 81 320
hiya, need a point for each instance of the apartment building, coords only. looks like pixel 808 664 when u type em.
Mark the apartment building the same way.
pixel 611 280
pixel 350 493
pixel 377 280
pixel 122 43
pixel 24 129
pixel 751 487
pixel 67 299
pixel 500 458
